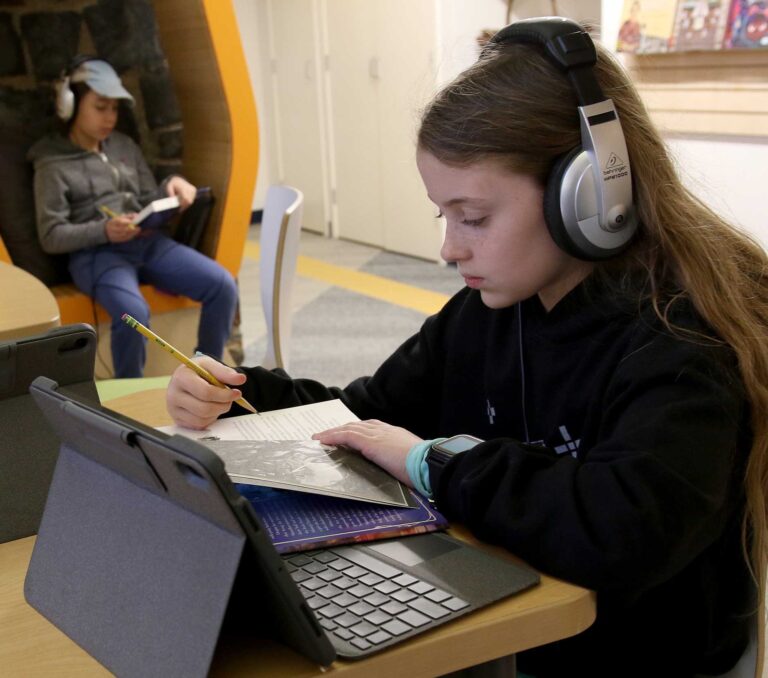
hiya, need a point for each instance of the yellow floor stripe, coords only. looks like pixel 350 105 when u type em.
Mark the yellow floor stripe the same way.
pixel 374 286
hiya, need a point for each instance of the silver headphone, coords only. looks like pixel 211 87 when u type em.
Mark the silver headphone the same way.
pixel 588 203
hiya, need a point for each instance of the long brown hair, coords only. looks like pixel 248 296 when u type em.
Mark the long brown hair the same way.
pixel 515 107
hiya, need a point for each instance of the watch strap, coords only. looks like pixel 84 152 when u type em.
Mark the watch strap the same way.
pixel 417 468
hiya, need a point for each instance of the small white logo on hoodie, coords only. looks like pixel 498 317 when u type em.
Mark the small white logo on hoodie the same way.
pixel 570 446
pixel 490 410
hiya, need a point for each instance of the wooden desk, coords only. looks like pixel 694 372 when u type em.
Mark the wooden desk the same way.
pixel 31 646
pixel 26 305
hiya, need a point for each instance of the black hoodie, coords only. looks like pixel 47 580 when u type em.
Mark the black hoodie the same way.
pixel 614 459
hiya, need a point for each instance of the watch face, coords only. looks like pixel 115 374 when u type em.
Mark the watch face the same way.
pixel 456 444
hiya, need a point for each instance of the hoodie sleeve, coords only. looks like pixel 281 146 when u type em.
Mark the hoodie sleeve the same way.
pixel 643 501
pixel 57 234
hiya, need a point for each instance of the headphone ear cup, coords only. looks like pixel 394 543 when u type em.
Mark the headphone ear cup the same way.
pixel 553 214
pixel 65 99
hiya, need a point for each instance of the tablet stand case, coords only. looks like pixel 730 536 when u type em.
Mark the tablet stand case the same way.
pixel 28 446
pixel 138 553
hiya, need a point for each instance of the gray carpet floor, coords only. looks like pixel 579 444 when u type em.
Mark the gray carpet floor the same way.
pixel 341 335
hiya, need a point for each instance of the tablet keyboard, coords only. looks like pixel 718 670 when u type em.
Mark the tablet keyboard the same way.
pixel 365 603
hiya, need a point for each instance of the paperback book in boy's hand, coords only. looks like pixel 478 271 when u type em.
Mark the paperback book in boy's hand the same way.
pixel 157 213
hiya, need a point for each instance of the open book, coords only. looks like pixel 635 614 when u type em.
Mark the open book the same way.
pixel 157 213
pixel 308 466
pixel 291 423
pixel 275 449
pixel 328 495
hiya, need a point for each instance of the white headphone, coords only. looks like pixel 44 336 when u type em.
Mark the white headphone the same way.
pixel 65 97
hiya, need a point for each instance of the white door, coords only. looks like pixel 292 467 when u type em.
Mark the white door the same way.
pixel 406 84
pixel 353 83
pixel 349 78
pixel 298 112
pixel 381 72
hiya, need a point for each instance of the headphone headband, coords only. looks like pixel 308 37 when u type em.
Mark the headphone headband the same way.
pixel 566 44
pixel 564 39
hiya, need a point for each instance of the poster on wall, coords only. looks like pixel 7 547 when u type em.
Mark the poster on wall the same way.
pixel 700 24
pixel 646 26
pixel 747 25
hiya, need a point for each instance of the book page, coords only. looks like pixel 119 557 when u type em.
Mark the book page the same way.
pixel 157 206
pixel 291 423
pixel 308 466
pixel 157 213
pixel 250 447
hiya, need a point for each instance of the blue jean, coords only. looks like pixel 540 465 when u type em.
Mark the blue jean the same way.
pixel 112 273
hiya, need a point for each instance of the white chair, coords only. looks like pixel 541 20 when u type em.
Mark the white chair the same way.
pixel 750 665
pixel 279 245
pixel 751 662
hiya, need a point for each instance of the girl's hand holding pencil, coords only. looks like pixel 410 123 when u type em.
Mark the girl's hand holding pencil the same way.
pixel 196 404
pixel 200 390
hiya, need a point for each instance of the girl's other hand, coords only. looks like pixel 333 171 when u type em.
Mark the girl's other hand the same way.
pixel 381 443
pixel 194 403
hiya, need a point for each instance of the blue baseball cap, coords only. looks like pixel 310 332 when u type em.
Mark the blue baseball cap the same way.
pixel 101 78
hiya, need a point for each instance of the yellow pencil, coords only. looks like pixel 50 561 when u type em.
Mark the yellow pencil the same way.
pixel 200 371
pixel 112 214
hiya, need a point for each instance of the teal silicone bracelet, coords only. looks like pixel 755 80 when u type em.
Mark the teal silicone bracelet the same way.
pixel 416 466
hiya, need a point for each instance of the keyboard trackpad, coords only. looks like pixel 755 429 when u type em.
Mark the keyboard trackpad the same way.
pixel 413 551
pixel 465 571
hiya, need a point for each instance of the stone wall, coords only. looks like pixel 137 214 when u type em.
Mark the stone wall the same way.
pixel 39 38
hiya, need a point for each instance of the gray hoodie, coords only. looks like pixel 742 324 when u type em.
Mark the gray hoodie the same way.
pixel 72 183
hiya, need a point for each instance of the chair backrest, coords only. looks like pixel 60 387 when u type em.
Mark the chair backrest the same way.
pixel 279 245
pixel 18 228
pixel 750 664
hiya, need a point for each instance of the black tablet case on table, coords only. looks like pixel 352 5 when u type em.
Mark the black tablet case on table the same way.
pixel 28 445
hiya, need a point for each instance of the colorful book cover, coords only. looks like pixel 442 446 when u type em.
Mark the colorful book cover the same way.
pixel 747 25
pixel 299 521
pixel 646 26
pixel 700 24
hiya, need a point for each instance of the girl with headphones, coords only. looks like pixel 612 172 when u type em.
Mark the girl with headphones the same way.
pixel 609 351
pixel 91 169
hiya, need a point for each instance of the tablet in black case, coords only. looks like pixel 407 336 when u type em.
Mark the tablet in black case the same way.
pixel 28 445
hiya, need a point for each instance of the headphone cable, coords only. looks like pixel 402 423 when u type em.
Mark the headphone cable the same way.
pixel 522 369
